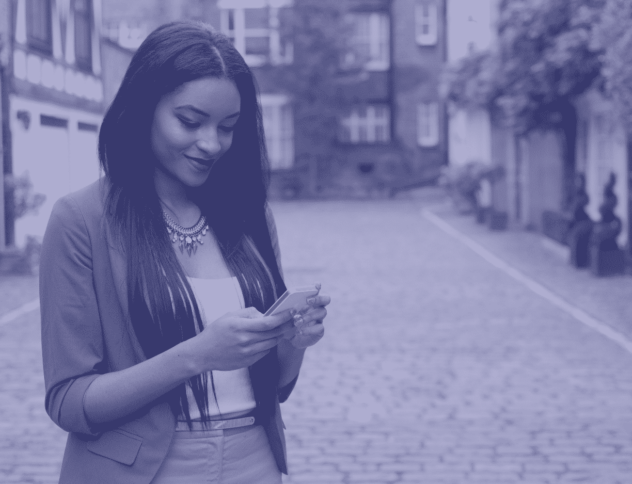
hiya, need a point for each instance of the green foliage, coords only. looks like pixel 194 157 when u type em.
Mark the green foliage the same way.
pixel 472 82
pixel 463 182
pixel 319 33
pixel 613 35
pixel 544 59
pixel 25 201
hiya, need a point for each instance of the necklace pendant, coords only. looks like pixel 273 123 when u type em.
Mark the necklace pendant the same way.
pixel 186 238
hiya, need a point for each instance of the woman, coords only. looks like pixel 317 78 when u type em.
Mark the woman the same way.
pixel 158 360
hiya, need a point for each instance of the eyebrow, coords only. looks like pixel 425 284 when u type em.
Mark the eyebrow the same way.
pixel 203 113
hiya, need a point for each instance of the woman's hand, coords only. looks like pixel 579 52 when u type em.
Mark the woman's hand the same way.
pixel 308 324
pixel 238 339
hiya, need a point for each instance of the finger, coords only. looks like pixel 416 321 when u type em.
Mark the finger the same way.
pixel 269 323
pixel 248 312
pixel 315 329
pixel 314 314
pixel 265 345
pixel 319 300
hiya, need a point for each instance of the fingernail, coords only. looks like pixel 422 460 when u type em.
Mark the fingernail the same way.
pixel 298 320
pixel 311 300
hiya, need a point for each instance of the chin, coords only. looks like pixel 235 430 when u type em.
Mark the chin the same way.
pixel 195 182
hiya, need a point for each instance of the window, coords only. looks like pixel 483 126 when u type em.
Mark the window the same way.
pixel 53 121
pixel 278 123
pixel 426 24
pixel 39 26
pixel 255 32
pixel 366 124
pixel 369 46
pixel 428 124
pixel 83 34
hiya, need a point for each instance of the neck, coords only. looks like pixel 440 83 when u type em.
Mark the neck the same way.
pixel 175 199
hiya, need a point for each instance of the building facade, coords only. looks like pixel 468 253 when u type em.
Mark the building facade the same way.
pixel 535 180
pixel 53 102
pixel 389 129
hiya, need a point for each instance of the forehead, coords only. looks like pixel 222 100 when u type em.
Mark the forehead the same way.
pixel 215 96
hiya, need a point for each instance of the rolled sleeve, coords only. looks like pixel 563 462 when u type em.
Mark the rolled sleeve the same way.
pixel 72 338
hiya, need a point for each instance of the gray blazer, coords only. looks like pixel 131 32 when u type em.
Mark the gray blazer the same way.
pixel 86 331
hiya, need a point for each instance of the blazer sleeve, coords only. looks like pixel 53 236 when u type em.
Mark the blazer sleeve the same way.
pixel 72 342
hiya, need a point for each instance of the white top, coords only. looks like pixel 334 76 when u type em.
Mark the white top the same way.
pixel 216 297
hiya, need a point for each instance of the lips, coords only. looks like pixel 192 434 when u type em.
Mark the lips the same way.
pixel 200 163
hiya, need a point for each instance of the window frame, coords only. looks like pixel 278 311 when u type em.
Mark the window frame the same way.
pixel 426 15
pixel 363 129
pixel 42 44
pixel 379 41
pixel 278 123
pixel 278 52
pixel 428 124
pixel 82 62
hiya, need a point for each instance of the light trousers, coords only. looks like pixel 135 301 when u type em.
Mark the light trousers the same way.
pixel 235 456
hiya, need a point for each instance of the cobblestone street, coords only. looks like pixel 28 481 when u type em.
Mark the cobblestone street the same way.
pixel 436 367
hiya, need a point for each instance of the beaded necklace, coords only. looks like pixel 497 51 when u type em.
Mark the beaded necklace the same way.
pixel 186 238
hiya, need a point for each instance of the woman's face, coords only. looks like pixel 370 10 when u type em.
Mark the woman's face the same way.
pixel 193 127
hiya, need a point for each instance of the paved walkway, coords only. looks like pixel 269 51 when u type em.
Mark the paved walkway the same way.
pixel 439 368
pixel 436 366
pixel 31 446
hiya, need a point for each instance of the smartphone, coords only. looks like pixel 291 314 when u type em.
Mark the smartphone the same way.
pixel 292 299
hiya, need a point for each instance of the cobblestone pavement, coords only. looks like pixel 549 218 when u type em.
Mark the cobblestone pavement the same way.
pixel 439 368
pixel 31 446
pixel 436 367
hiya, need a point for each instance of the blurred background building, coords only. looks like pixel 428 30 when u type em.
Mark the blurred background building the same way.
pixel 537 94
pixel 360 98
pixel 52 105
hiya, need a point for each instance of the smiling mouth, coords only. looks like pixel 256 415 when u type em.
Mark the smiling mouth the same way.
pixel 200 161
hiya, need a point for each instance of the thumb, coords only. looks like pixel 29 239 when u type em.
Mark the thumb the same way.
pixel 249 313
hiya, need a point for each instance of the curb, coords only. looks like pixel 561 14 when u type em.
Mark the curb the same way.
pixel 12 316
pixel 537 288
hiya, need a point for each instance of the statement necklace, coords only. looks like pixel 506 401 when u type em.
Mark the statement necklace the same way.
pixel 187 238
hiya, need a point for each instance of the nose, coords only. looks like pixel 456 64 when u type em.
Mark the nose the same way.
pixel 209 143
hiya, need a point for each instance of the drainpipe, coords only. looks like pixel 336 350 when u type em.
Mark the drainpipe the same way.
pixel 2 130
pixel 7 219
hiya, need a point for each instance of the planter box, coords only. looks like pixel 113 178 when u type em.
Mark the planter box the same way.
pixel 497 220
pixel 579 242
pixel 555 225
pixel 15 261
pixel 607 263
pixel 482 214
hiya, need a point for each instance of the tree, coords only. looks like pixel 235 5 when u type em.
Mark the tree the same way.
pixel 319 34
pixel 613 36
pixel 544 59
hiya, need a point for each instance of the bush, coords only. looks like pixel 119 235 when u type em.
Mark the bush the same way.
pixel 464 182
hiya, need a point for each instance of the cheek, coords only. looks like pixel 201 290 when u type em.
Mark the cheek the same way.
pixel 227 142
pixel 166 137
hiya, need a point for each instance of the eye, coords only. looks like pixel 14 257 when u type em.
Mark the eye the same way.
pixel 187 123
pixel 227 129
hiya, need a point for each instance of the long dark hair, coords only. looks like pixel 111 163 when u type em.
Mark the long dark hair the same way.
pixel 162 307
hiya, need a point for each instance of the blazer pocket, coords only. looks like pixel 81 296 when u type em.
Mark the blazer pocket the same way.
pixel 118 445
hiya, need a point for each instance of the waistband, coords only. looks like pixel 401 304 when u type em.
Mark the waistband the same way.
pixel 231 423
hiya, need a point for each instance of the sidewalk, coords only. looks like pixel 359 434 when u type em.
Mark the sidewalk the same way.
pixel 15 291
pixel 436 366
pixel 608 299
